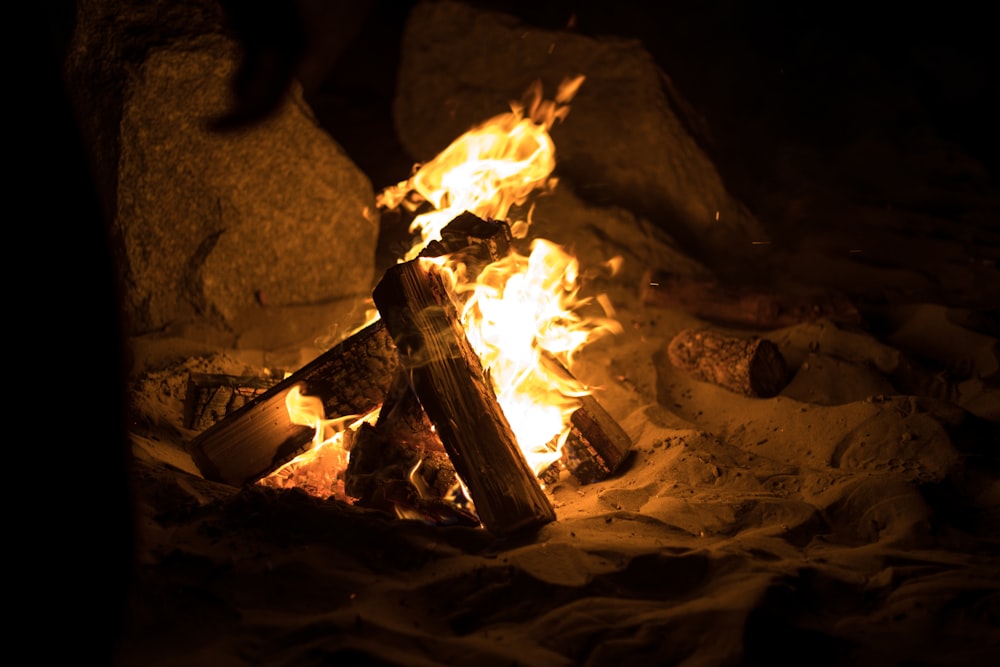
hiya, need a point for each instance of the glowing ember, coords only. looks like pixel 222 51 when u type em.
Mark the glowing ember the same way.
pixel 318 470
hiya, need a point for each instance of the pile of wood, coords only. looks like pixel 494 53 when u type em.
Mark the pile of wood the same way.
pixel 439 419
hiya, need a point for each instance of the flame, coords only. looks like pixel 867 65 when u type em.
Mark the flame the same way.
pixel 522 314
pixel 318 470
pixel 489 169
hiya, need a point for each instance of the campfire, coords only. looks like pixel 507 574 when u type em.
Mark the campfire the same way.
pixel 753 439
pixel 456 403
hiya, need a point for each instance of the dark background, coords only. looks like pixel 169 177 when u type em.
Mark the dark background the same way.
pixel 782 87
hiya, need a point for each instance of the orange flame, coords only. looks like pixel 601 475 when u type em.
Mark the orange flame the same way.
pixel 522 314
pixel 487 170
pixel 318 470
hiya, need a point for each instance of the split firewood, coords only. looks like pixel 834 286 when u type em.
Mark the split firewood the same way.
pixel 446 375
pixel 400 463
pixel 349 379
pixel 744 307
pixel 749 366
pixel 211 397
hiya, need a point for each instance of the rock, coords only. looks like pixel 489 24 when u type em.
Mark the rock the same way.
pixel 622 143
pixel 597 234
pixel 210 225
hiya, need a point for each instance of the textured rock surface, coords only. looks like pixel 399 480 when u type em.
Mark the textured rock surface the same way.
pixel 276 211
pixel 209 225
pixel 622 143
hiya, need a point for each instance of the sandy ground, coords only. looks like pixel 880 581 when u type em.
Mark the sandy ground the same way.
pixel 844 521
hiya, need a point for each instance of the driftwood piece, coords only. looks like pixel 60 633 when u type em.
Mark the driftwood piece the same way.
pixel 417 308
pixel 744 307
pixel 210 397
pixel 749 366
pixel 349 379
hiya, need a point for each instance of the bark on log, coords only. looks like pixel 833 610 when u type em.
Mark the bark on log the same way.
pixel 749 366
pixel 446 375
pixel 349 379
pixel 744 307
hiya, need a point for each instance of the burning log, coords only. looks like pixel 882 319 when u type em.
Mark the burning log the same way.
pixel 473 241
pixel 749 366
pixel 745 307
pixel 400 465
pixel 597 445
pixel 447 377
pixel 349 379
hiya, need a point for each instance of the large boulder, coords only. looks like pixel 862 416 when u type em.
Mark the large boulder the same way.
pixel 207 225
pixel 622 144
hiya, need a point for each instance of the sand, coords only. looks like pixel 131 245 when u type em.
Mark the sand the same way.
pixel 842 521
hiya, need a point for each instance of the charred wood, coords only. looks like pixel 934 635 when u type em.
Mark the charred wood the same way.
pixel 401 448
pixel 349 379
pixel 446 375
pixel 409 479
pixel 597 445
pixel 472 241
pixel 210 397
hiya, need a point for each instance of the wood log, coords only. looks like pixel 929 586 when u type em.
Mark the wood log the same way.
pixel 446 375
pixel 210 397
pixel 402 440
pixel 594 436
pixel 597 445
pixel 750 366
pixel 743 306
pixel 349 379
pixel 473 241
